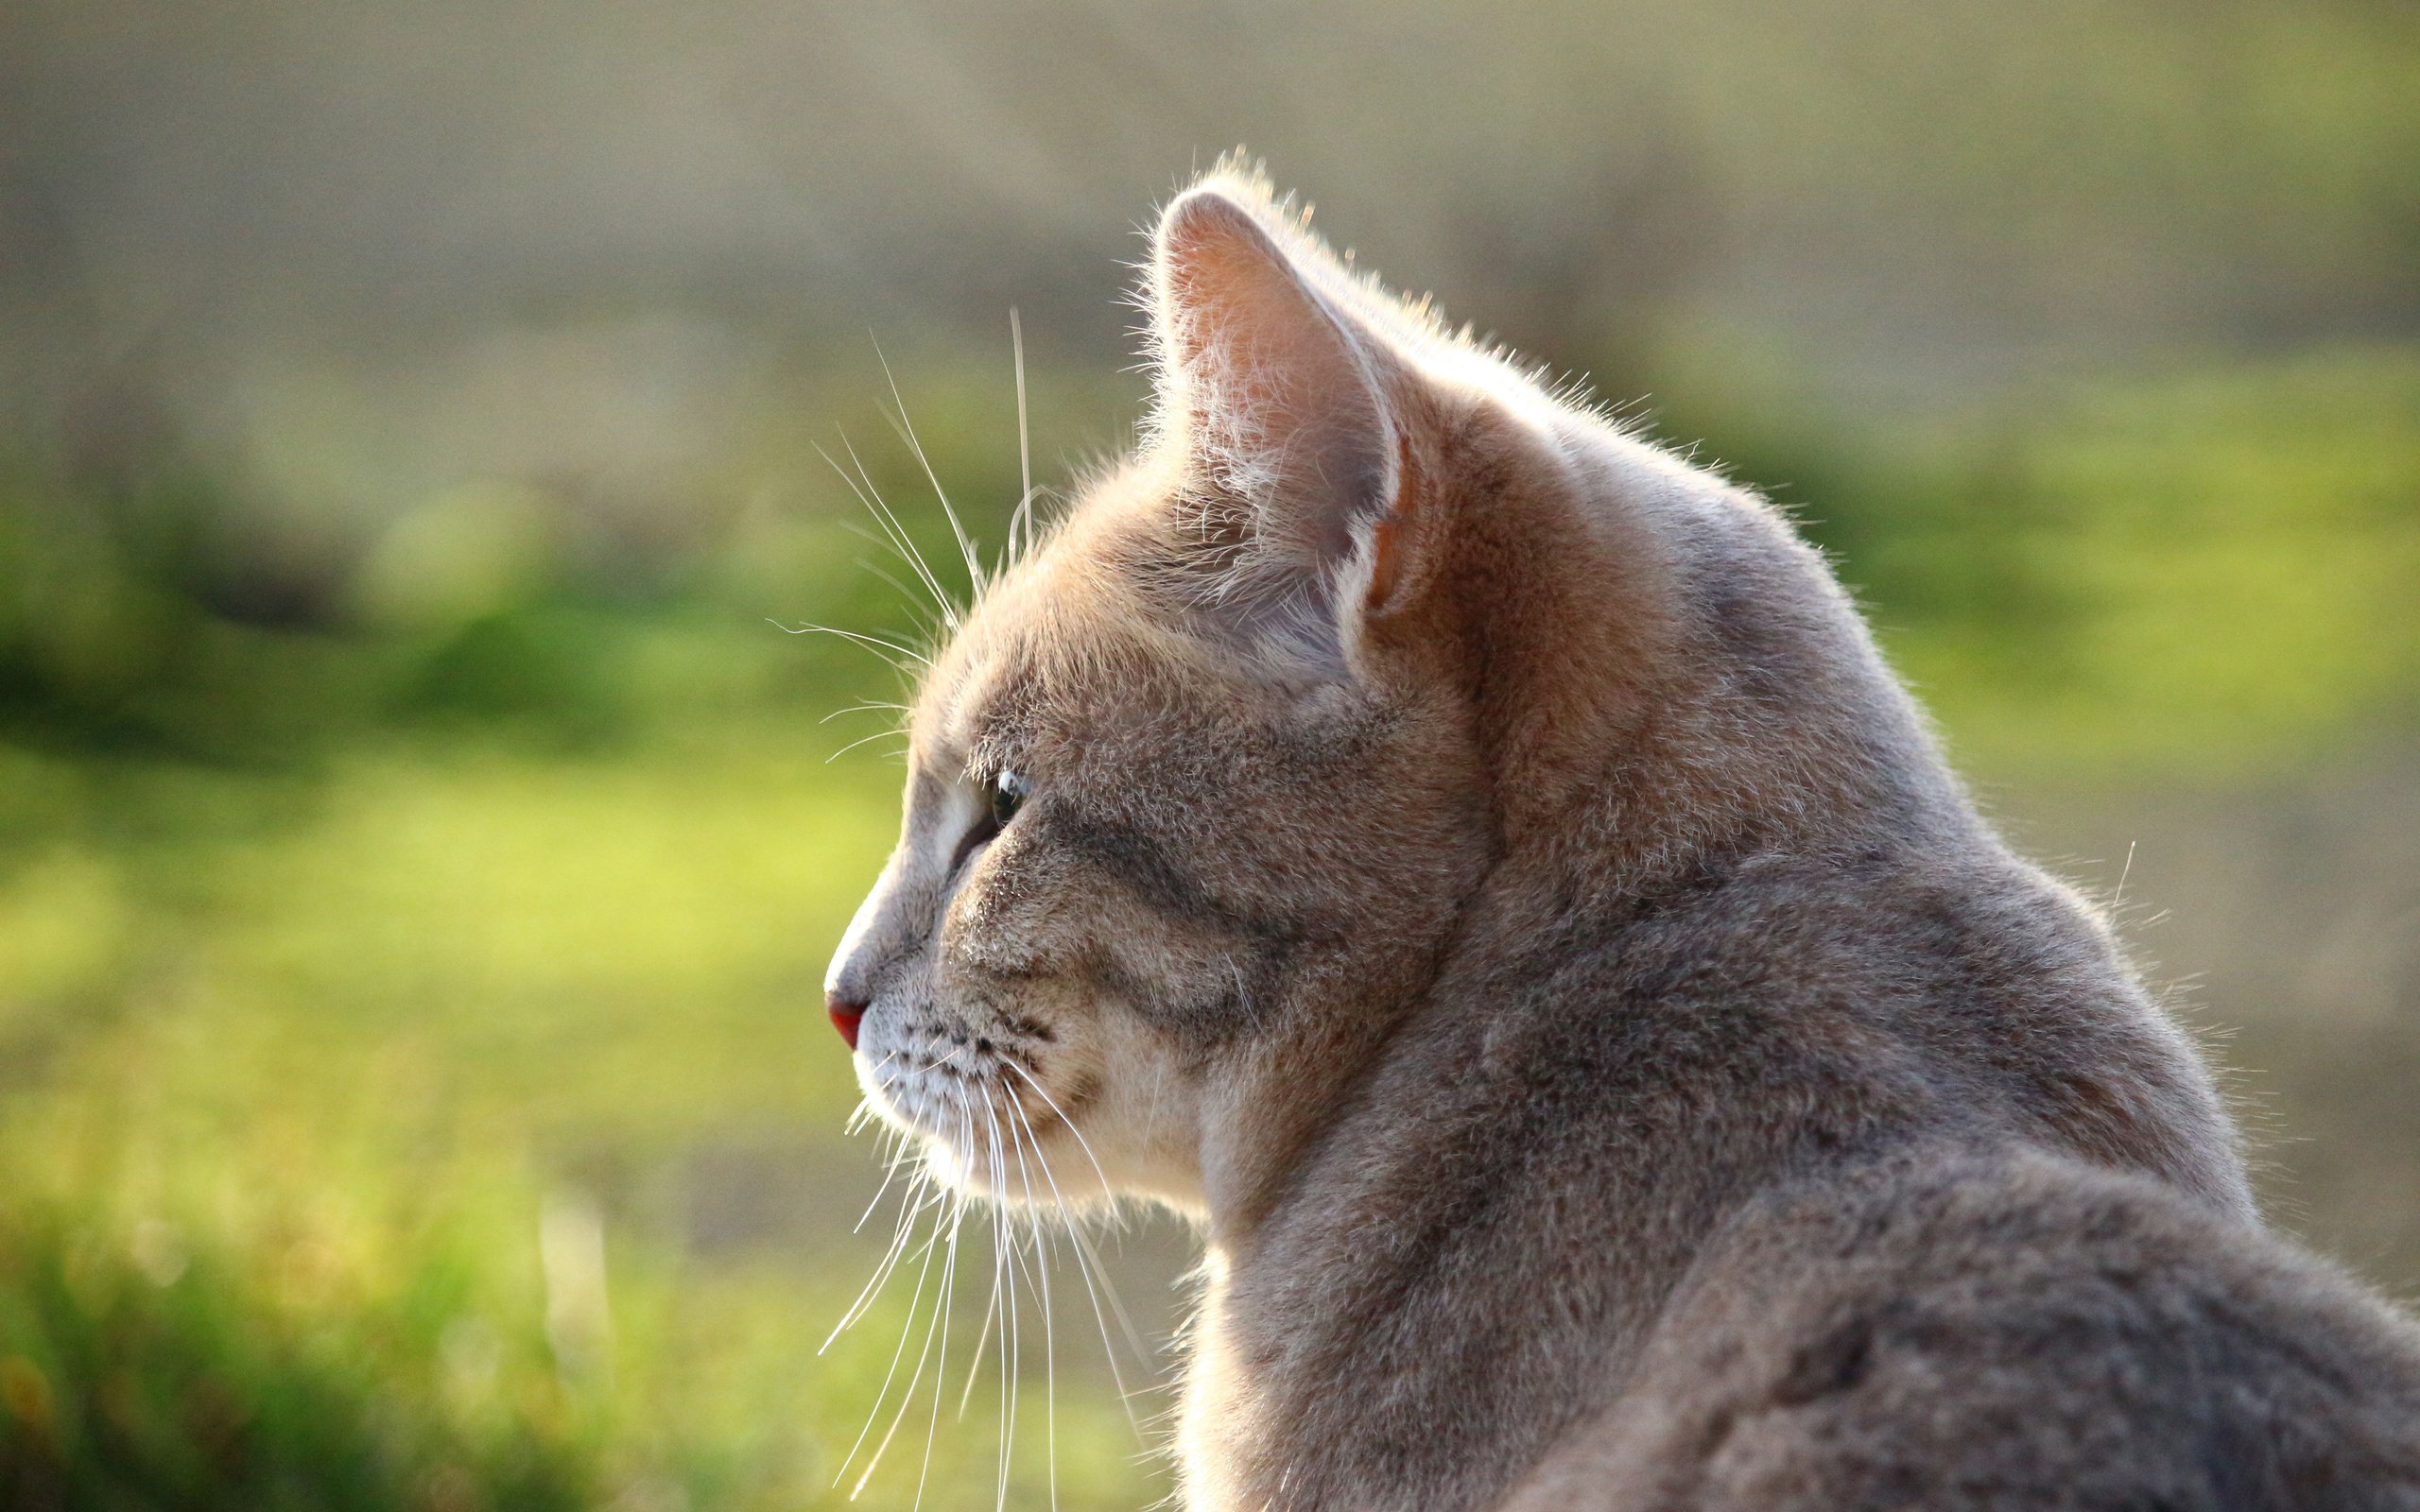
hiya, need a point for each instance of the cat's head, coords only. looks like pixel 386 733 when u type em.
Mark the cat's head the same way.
pixel 1202 790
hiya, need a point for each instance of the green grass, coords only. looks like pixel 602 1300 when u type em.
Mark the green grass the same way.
pixel 297 1066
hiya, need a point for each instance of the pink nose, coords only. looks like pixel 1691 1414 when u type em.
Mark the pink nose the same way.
pixel 845 1016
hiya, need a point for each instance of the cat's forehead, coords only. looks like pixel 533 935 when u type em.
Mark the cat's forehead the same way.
pixel 962 695
pixel 1021 647
pixel 1064 642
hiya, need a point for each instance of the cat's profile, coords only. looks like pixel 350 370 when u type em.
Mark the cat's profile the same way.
pixel 1477 864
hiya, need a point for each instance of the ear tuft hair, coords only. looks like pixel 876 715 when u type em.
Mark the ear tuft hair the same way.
pixel 1274 397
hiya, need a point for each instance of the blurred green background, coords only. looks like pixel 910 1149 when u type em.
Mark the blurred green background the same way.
pixel 419 848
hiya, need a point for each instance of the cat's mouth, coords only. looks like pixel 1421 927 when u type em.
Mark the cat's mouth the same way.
pixel 981 1109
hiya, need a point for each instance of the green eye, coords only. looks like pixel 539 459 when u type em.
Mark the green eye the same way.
pixel 1008 796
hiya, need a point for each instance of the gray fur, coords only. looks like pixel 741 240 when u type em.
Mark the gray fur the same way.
pixel 1610 1061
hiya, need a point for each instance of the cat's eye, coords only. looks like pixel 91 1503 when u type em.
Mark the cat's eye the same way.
pixel 1004 793
pixel 1007 793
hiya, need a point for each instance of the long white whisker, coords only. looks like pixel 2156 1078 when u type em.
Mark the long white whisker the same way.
pixel 1086 1262
pixel 893 1162
pixel 1021 518
pixel 1076 1234
pixel 907 430
pixel 1011 1360
pixel 931 621
pixel 901 1233
pixel 873 643
pixel 983 1335
pixel 863 740
pixel 991 1309
pixel 857 1119
pixel 901 544
pixel 949 1293
pixel 1109 1289
pixel 911 1210
pixel 864 709
pixel 946 1239
pixel 1052 1104
pixel 906 1327
pixel 1050 1325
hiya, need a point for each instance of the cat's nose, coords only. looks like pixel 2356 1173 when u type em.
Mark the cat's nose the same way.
pixel 845 1016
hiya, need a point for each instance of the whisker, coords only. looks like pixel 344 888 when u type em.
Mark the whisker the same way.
pixel 873 643
pixel 891 1164
pixel 863 740
pixel 1109 1289
pixel 1086 1263
pixel 949 1293
pixel 1050 1325
pixel 902 545
pixel 908 431
pixel 907 1326
pixel 1052 1104
pixel 991 1309
pixel 983 1336
pixel 901 1233
pixel 943 1310
pixel 1003 1260
pixel 1021 518
pixel 909 1210
pixel 1243 995
pixel 864 709
pixel 929 623
pixel 863 1114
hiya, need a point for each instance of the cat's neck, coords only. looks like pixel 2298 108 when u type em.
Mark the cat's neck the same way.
pixel 1768 728
pixel 1330 1267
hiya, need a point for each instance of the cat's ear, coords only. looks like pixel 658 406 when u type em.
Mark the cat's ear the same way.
pixel 1278 397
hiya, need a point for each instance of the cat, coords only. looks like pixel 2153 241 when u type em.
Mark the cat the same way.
pixel 1475 863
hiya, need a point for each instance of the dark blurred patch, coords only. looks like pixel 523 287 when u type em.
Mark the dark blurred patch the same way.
pixel 547 668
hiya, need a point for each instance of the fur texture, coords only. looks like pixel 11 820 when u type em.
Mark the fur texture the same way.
pixel 1478 866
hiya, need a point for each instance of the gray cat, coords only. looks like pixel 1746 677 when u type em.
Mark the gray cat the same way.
pixel 1477 864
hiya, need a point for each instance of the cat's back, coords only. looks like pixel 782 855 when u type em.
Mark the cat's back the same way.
pixel 1997 1328
pixel 1832 1004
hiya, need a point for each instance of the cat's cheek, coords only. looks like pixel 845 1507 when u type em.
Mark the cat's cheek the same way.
pixel 1136 1101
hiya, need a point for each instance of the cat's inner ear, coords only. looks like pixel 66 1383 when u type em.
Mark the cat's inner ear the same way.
pixel 1276 396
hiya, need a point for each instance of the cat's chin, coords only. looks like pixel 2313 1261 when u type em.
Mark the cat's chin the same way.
pixel 1053 1181
pixel 980 1141
pixel 955 1169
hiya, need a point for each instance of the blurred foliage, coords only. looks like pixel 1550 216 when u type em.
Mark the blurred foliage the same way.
pixel 152 1376
pixel 313 1353
pixel 2205 572
pixel 2201 568
pixel 303 1069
